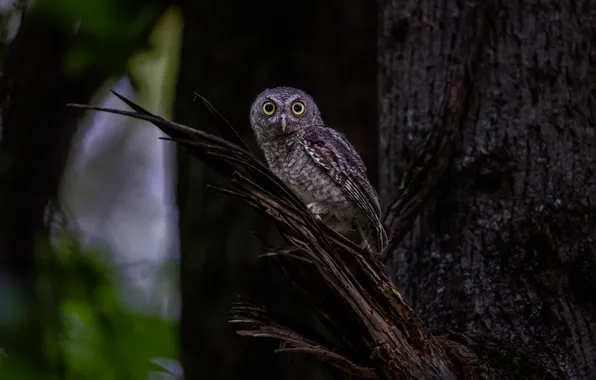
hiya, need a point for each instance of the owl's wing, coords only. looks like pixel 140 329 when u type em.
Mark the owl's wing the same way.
pixel 337 157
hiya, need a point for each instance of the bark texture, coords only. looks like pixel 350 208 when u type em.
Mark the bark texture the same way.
pixel 505 250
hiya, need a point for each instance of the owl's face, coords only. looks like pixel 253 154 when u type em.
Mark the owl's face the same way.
pixel 282 111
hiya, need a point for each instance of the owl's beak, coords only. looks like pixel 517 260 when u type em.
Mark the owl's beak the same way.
pixel 283 122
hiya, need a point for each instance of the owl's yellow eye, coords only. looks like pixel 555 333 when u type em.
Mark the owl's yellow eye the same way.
pixel 268 108
pixel 298 108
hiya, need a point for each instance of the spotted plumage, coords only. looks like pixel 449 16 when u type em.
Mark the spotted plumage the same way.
pixel 317 162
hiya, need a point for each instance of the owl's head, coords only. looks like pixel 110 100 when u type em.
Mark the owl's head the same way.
pixel 282 111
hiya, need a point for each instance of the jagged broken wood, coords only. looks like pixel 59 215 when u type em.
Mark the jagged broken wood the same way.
pixel 373 333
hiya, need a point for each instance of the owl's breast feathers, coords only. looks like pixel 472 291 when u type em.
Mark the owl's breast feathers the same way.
pixel 331 151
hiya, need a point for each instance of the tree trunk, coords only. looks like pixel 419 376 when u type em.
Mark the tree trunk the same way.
pixel 505 248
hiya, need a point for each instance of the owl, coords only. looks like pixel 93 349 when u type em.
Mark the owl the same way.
pixel 318 163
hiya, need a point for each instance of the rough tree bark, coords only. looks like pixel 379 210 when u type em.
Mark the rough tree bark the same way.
pixel 504 250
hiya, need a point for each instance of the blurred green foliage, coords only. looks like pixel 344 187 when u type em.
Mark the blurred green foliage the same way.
pixel 104 340
pixel 99 336
pixel 89 332
pixel 108 31
pixel 155 72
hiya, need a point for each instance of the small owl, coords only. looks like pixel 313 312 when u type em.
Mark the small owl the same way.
pixel 317 163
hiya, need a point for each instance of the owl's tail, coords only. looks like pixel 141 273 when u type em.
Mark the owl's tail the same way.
pixel 374 237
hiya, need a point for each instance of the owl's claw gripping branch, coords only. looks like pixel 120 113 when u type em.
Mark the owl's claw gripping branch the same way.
pixel 317 209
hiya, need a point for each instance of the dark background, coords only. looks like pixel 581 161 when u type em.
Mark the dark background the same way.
pixel 329 50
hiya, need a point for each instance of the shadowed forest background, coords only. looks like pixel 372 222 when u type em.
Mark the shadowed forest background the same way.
pixel 117 261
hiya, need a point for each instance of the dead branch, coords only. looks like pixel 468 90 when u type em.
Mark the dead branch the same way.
pixel 374 333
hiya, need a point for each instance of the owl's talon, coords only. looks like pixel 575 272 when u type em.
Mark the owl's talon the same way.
pixel 315 209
